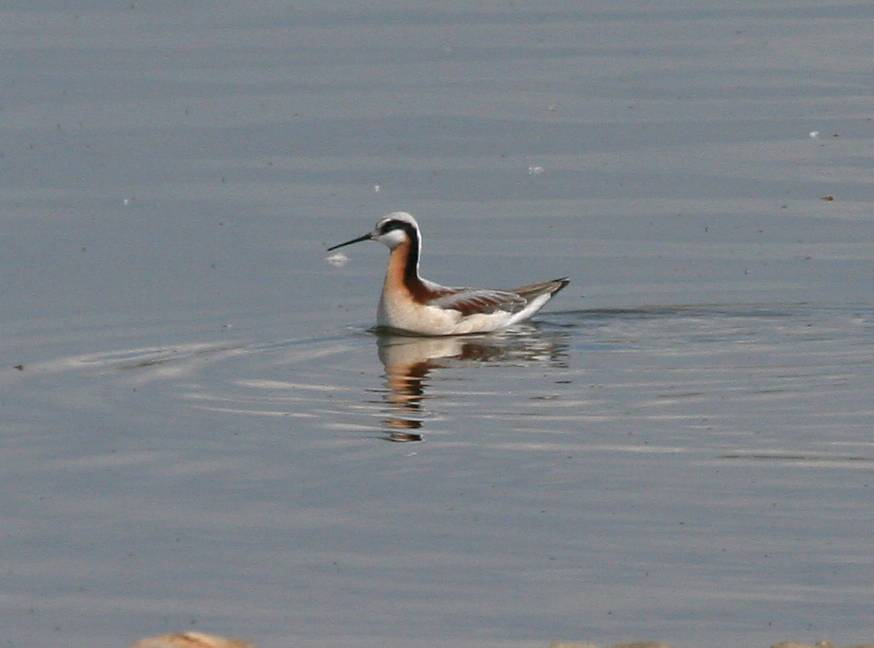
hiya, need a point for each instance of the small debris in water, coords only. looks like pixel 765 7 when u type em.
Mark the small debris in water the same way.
pixel 403 437
pixel 338 259
pixel 377 188
pixel 535 170
pixel 813 134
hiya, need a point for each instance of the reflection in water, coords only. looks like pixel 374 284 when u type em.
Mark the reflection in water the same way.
pixel 408 360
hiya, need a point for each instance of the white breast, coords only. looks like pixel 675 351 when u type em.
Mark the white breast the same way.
pixel 406 315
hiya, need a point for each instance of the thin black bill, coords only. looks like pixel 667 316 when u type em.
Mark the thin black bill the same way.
pixel 366 237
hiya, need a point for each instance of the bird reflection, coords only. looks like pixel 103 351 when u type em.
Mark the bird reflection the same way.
pixel 408 361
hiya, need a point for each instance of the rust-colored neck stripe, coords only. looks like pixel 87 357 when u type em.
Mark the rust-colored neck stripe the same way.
pixel 407 257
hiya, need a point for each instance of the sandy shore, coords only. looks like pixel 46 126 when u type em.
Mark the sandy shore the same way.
pixel 202 640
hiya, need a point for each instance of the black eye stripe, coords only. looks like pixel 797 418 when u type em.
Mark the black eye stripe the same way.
pixel 391 225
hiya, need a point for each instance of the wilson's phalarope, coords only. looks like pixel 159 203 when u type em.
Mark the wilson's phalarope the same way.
pixel 415 305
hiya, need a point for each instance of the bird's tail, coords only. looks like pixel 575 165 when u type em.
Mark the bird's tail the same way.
pixel 531 291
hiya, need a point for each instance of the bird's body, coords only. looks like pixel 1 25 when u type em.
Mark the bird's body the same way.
pixel 412 304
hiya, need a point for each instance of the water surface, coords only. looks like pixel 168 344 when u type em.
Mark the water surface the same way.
pixel 197 418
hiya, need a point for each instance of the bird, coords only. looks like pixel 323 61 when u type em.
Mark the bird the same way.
pixel 411 304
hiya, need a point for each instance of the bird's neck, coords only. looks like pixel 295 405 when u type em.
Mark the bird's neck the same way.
pixel 403 271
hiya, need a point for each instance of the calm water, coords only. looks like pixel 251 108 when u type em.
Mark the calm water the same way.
pixel 197 417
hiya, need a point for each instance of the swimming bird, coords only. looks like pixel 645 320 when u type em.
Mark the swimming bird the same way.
pixel 412 304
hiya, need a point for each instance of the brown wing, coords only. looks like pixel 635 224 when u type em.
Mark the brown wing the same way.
pixel 469 301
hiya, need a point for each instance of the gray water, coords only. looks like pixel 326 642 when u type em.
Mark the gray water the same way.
pixel 197 417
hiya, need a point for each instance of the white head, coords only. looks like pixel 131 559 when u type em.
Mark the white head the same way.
pixel 392 230
pixel 395 228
